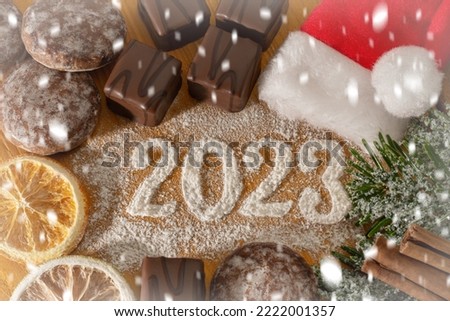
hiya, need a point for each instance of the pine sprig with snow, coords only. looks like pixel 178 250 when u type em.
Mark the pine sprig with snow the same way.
pixel 432 129
pixel 401 184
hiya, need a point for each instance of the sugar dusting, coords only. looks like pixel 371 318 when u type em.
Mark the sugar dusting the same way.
pixel 73 31
pixel 253 273
pixel 40 117
pixel 11 46
pixel 124 240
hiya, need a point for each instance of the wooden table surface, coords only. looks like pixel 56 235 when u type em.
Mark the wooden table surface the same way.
pixel 136 30
pixel 298 9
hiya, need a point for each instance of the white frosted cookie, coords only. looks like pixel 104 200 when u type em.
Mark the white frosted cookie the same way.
pixel 11 46
pixel 45 111
pixel 73 35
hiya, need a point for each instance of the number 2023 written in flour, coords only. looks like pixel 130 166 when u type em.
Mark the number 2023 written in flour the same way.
pixel 254 204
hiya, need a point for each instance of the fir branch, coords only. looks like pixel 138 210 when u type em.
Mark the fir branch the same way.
pixel 389 185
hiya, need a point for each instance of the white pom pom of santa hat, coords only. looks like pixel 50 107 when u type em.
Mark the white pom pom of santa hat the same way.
pixel 407 81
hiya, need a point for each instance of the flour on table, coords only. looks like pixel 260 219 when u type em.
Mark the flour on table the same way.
pixel 124 239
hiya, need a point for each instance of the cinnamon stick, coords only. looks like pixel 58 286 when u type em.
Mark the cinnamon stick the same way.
pixel 418 272
pixel 425 255
pixel 399 282
pixel 419 235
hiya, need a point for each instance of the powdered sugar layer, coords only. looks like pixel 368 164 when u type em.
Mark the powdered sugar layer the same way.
pixel 47 111
pixel 124 239
pixel 73 34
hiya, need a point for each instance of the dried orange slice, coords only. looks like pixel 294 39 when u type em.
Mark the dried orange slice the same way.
pixel 11 273
pixel 73 278
pixel 42 210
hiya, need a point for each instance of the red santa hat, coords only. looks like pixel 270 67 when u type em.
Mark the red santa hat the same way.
pixel 399 45
pixel 364 30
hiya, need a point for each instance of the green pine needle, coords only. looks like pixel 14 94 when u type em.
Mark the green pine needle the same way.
pixel 386 182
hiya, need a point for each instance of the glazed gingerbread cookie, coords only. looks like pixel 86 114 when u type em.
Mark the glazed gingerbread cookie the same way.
pixel 264 272
pixel 45 111
pixel 73 35
pixel 11 46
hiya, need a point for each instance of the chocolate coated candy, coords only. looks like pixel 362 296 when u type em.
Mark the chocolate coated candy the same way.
pixel 172 279
pixel 174 23
pixel 258 20
pixel 143 84
pixel 225 70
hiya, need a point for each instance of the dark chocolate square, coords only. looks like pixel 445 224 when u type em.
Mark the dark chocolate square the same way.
pixel 258 20
pixel 174 23
pixel 225 70
pixel 177 279
pixel 143 84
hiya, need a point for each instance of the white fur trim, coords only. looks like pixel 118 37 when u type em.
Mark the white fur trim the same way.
pixel 407 81
pixel 310 81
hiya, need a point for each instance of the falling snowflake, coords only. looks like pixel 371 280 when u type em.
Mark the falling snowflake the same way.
pixel 225 65
pixel 434 99
pixel 116 4
pixel 201 51
pixel 305 11
pixel 42 237
pixel 55 30
pixel 304 78
pixel 371 252
pixel 398 91
pixel 52 217
pixel 276 296
pixel 67 295
pixel 214 97
pixel 151 91
pixel 42 43
pixel 7 186
pixel 419 14
pixel 380 17
pixel 167 14
pixel 352 92
pixel 43 81
pixel 12 20
pixel 265 13
pixel 58 131
pixel 31 267
pixel 234 36
pixel 199 18
pixel 331 273
pixel 118 45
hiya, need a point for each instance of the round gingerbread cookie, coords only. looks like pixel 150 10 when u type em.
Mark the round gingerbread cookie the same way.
pixel 264 272
pixel 45 111
pixel 73 35
pixel 11 46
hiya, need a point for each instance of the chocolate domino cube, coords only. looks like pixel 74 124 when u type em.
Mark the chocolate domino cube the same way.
pixel 225 69
pixel 166 279
pixel 174 23
pixel 258 20
pixel 143 84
